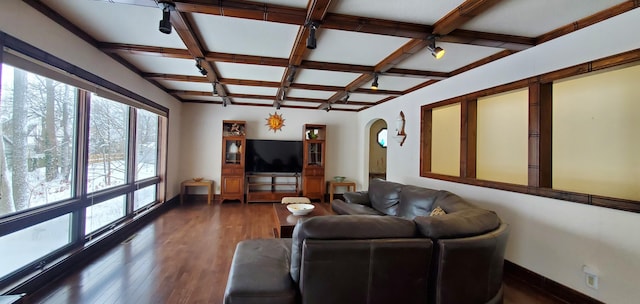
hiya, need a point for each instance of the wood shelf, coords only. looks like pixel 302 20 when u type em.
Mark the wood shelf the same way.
pixel 271 187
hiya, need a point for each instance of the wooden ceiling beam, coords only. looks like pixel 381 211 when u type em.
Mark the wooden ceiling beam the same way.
pixel 316 10
pixel 461 15
pixel 184 29
pixel 249 82
pixel 172 77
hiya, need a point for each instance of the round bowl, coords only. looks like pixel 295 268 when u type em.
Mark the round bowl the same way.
pixel 197 179
pixel 338 178
pixel 300 209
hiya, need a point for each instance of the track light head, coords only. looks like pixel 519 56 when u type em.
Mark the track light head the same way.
pixel 202 70
pixel 165 22
pixel 277 106
pixel 215 88
pixel 346 98
pixel 311 39
pixel 374 84
pixel 436 51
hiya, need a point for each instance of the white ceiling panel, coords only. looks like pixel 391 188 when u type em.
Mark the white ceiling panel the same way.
pixel 203 98
pixel 163 65
pixel 395 83
pixel 353 48
pixel 240 89
pixel 412 11
pixel 534 18
pixel 252 100
pixel 456 56
pixel 309 93
pixel 246 37
pixel 187 86
pixel 345 106
pixel 249 71
pixel 300 104
pixel 106 22
pixel 366 97
pixel 329 78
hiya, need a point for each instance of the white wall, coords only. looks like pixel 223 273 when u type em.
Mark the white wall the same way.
pixel 551 237
pixel 202 136
pixel 21 21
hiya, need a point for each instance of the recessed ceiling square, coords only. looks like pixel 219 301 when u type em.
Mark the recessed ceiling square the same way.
pixel 163 65
pixel 362 97
pixel 187 86
pixel 396 83
pixel 353 48
pixel 241 89
pixel 249 71
pixel 523 18
pixel 412 11
pixel 117 23
pixel 302 93
pixel 329 78
pixel 247 37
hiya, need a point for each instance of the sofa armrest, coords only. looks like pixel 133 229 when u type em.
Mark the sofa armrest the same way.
pixel 360 198
pixel 464 223
pixel 260 273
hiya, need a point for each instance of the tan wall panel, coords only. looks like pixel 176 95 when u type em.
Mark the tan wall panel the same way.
pixel 445 152
pixel 502 138
pixel 596 141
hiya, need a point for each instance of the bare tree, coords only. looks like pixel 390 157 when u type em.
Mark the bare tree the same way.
pixel 19 155
pixel 6 197
pixel 50 142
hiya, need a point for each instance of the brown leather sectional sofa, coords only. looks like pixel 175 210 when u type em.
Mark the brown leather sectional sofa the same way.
pixel 385 248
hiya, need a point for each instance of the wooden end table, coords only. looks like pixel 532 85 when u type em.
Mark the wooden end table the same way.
pixel 191 183
pixel 285 221
pixel 332 185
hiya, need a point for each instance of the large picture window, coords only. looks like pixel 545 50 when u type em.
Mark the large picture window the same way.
pixel 38 127
pixel 79 158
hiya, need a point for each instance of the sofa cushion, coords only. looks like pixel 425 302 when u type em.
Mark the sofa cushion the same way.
pixel 346 227
pixel 360 198
pixel 260 273
pixel 341 207
pixel 464 223
pixel 384 196
pixel 416 201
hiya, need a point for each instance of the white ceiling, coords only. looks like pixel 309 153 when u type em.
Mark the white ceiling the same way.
pixel 252 57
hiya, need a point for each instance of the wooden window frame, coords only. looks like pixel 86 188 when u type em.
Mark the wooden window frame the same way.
pixel 539 136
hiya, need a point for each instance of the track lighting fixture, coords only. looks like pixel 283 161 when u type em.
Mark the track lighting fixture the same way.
pixel 277 106
pixel 311 40
pixel 374 84
pixel 346 98
pixel 199 66
pixel 215 88
pixel 165 22
pixel 326 107
pixel 292 74
pixel 436 51
pixel 225 101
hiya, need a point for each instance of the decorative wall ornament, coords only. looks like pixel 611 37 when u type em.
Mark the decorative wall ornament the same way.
pixel 400 135
pixel 275 122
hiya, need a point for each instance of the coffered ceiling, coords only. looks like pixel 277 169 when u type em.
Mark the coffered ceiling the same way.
pixel 256 54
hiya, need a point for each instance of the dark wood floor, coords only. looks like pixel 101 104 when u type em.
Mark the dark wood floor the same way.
pixel 184 257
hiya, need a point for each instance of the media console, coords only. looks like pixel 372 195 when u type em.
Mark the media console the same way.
pixel 271 187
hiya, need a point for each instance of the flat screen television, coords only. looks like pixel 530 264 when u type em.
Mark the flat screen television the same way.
pixel 273 156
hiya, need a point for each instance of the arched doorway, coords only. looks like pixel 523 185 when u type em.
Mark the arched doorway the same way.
pixel 378 149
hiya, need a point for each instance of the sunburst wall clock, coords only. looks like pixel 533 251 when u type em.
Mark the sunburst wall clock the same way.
pixel 275 122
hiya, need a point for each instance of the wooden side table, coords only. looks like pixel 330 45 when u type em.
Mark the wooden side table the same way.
pixel 191 183
pixel 334 184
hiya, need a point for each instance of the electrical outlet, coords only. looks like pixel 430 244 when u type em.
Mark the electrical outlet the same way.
pixel 590 278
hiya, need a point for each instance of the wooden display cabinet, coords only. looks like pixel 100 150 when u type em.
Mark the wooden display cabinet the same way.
pixel 313 163
pixel 232 175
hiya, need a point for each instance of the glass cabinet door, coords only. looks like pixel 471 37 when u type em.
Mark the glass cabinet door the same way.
pixel 233 151
pixel 315 156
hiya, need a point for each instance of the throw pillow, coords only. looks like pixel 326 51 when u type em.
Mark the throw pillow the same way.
pixel 437 211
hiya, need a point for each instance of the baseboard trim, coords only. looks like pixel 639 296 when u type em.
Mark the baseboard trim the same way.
pixel 546 285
